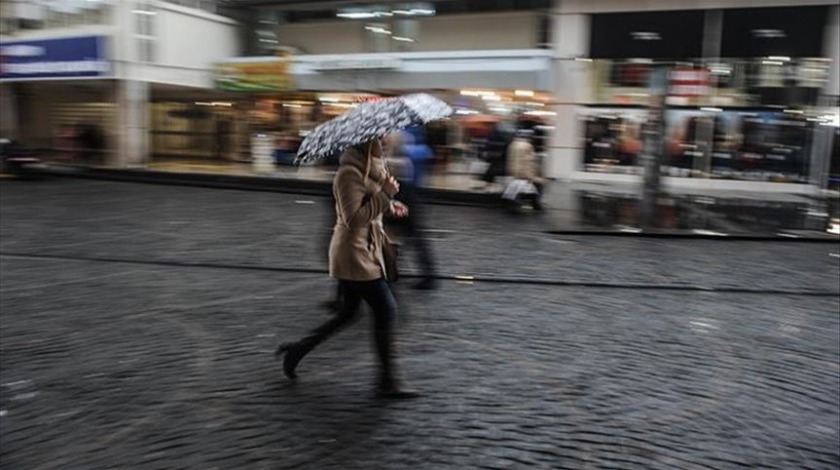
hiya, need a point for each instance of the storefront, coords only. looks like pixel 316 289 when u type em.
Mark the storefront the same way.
pixel 62 89
pixel 82 87
pixel 744 92
pixel 288 96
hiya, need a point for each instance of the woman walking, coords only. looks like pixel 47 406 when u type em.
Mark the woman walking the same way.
pixel 363 192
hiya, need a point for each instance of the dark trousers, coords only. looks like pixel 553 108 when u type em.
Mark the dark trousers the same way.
pixel 413 225
pixel 378 295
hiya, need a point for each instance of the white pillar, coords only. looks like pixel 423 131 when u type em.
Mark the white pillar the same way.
pixel 824 135
pixel 831 49
pixel 132 139
pixel 570 40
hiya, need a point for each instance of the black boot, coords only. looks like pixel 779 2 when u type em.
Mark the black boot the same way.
pixel 294 352
pixel 391 389
pixel 388 387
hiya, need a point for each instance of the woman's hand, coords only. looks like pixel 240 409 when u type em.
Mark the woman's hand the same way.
pixel 391 186
pixel 398 209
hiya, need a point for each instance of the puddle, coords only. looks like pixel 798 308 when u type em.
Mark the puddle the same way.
pixel 789 217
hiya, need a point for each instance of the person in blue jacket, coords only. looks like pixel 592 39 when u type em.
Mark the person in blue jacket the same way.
pixel 413 157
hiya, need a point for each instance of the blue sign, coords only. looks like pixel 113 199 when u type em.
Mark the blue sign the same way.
pixel 54 58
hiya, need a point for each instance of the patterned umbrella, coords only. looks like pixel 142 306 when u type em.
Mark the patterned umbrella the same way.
pixel 368 121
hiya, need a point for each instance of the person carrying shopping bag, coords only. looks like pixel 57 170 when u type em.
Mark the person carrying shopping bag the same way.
pixel 523 167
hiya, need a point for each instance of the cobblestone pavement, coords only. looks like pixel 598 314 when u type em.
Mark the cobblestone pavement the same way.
pixel 181 224
pixel 143 363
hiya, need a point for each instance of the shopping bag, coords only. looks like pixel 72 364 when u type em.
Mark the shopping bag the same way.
pixel 517 188
pixel 478 167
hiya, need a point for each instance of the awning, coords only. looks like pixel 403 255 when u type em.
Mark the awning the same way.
pixel 510 69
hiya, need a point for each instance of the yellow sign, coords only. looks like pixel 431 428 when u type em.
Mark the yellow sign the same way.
pixel 255 74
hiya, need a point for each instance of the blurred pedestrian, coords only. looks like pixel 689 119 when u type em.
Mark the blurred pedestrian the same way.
pixel 523 165
pixel 90 143
pixel 222 137
pixel 409 158
pixel 495 152
pixel 364 192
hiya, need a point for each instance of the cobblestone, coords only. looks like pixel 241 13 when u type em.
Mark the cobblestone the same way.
pixel 128 365
pixel 163 223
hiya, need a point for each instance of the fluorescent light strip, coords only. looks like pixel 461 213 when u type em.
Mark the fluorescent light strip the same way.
pixel 377 30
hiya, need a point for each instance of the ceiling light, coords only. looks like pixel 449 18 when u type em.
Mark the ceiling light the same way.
pixel 768 33
pixel 527 93
pixel 403 39
pixel 645 35
pixel 541 113
pixel 377 30
pixel 779 57
pixel 362 14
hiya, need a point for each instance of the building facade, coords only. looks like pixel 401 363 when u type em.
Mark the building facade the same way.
pixel 752 88
pixel 93 67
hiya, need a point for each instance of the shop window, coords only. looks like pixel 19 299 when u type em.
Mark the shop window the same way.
pixel 266 31
pixel 27 14
pixel 206 5
pixel 144 31
pixel 38 14
pixel 8 17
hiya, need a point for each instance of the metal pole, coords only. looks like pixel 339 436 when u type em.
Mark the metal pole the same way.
pixel 654 146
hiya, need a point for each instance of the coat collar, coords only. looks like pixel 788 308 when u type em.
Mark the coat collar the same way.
pixel 354 158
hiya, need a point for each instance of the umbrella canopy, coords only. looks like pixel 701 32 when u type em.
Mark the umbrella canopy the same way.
pixel 368 121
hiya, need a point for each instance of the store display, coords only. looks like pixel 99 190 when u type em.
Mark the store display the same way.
pixel 612 140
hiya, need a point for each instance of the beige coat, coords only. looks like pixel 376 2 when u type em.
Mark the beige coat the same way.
pixel 358 236
pixel 521 160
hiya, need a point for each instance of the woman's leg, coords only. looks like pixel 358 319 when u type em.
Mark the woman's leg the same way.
pixel 296 351
pixel 379 296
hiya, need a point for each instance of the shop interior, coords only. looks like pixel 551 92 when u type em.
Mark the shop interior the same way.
pixel 207 132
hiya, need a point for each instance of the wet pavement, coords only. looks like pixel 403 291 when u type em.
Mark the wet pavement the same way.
pixel 137 324
pixel 582 207
pixel 617 207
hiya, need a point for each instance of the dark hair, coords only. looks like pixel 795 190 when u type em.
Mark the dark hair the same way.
pixel 364 147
